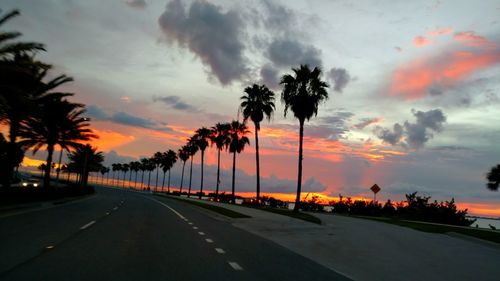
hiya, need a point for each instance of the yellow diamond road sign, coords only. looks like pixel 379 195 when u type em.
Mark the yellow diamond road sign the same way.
pixel 375 188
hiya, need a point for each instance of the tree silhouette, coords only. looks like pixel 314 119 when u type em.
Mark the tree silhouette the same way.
pixel 192 148
pixel 220 137
pixel 135 166
pixel 143 168
pixel 201 139
pixel 237 143
pixel 257 103
pixel 156 160
pixel 86 159
pixel 183 154
pixel 493 177
pixel 125 169
pixel 103 171
pixel 168 160
pixel 302 94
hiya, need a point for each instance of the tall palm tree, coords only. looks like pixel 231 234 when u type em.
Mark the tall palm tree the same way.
pixel 156 160
pixel 135 166
pixel 114 168
pixel 202 138
pixel 85 159
pixel 238 140
pixel 183 154
pixel 103 171
pixel 168 161
pixel 150 166
pixel 143 167
pixel 257 103
pixel 493 177
pixel 57 121
pixel 9 47
pixel 219 137
pixel 302 93
pixel 125 169
pixel 192 148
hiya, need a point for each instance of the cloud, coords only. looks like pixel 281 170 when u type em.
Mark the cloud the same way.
pixel 364 122
pixel 340 78
pixel 211 34
pixel 96 112
pixel 399 49
pixel 440 31
pixel 470 38
pixel 286 52
pixel 113 157
pixel 278 17
pixel 269 76
pixel 174 102
pixel 413 135
pixel 137 4
pixel 421 41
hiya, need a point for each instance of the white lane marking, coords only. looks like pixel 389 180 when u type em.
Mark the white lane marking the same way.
pixel 220 250
pixel 107 213
pixel 195 227
pixel 209 240
pixel 190 223
pixel 115 208
pixel 87 225
pixel 49 247
pixel 165 205
pixel 235 265
pixel 201 233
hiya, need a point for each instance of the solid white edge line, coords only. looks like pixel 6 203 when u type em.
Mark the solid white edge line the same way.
pixel 170 208
pixel 235 265
pixel 87 225
pixel 220 250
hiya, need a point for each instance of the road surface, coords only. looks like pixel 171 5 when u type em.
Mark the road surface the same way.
pixel 126 235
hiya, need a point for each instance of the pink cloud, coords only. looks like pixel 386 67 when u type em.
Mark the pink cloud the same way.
pixel 470 38
pixel 440 31
pixel 421 41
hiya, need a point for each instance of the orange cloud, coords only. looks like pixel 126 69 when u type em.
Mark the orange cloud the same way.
pixel 470 38
pixel 421 41
pixel 411 81
pixel 109 140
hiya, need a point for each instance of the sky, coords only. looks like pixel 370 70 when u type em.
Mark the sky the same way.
pixel 413 99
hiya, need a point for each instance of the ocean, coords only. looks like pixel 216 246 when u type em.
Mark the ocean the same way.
pixel 483 223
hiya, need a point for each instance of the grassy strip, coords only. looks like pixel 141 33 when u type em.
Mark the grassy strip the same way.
pixel 488 235
pixel 217 209
pixel 290 213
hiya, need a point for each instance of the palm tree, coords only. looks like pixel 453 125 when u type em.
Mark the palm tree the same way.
pixel 135 166
pixel 156 160
pixel 57 121
pixel 302 94
pixel 201 139
pixel 125 169
pixel 8 48
pixel 114 168
pixel 85 159
pixel 150 166
pixel 183 154
pixel 237 143
pixel 493 177
pixel 219 137
pixel 257 103
pixel 143 167
pixel 192 148
pixel 168 161
pixel 103 171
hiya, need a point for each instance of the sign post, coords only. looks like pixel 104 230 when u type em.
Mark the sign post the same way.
pixel 375 189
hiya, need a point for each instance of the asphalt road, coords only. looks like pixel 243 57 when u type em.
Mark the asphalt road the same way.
pixel 125 235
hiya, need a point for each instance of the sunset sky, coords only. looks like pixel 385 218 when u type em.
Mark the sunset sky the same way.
pixel 414 87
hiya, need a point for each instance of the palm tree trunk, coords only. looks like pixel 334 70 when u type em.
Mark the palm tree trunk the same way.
pixel 48 168
pixel 190 177
pixel 157 170
pixel 129 178
pixel 163 182
pixel 13 132
pixel 149 180
pixel 124 176
pixel 257 162
pixel 202 159
pixel 59 167
pixel 218 175
pixel 142 180
pixel 299 180
pixel 135 180
pixel 182 176
pixel 234 171
pixel 168 186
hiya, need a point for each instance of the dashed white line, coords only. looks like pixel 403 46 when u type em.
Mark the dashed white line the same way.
pixel 201 233
pixel 87 225
pixel 107 213
pixel 115 208
pixel 209 240
pixel 49 247
pixel 195 227
pixel 190 223
pixel 235 265
pixel 220 251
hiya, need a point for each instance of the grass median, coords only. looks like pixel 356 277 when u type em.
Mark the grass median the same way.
pixel 290 213
pixel 217 209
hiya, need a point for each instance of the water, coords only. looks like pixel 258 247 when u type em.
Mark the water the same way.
pixel 483 223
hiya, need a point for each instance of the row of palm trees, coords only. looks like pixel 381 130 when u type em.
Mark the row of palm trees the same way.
pixel 37 114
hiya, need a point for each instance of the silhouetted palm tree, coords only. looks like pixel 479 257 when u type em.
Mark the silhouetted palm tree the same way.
pixel 114 168
pixel 192 148
pixel 302 94
pixel 183 154
pixel 493 177
pixel 150 166
pixel 57 121
pixel 168 160
pixel 9 47
pixel 135 166
pixel 103 171
pixel 125 169
pixel 85 159
pixel 257 103
pixel 219 137
pixel 156 160
pixel 143 168
pixel 201 139
pixel 238 140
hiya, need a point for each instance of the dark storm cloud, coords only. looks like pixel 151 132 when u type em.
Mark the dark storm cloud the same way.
pixel 413 135
pixel 340 78
pixel 174 102
pixel 269 76
pixel 213 35
pixel 287 52
pixel 137 4
pixel 124 118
